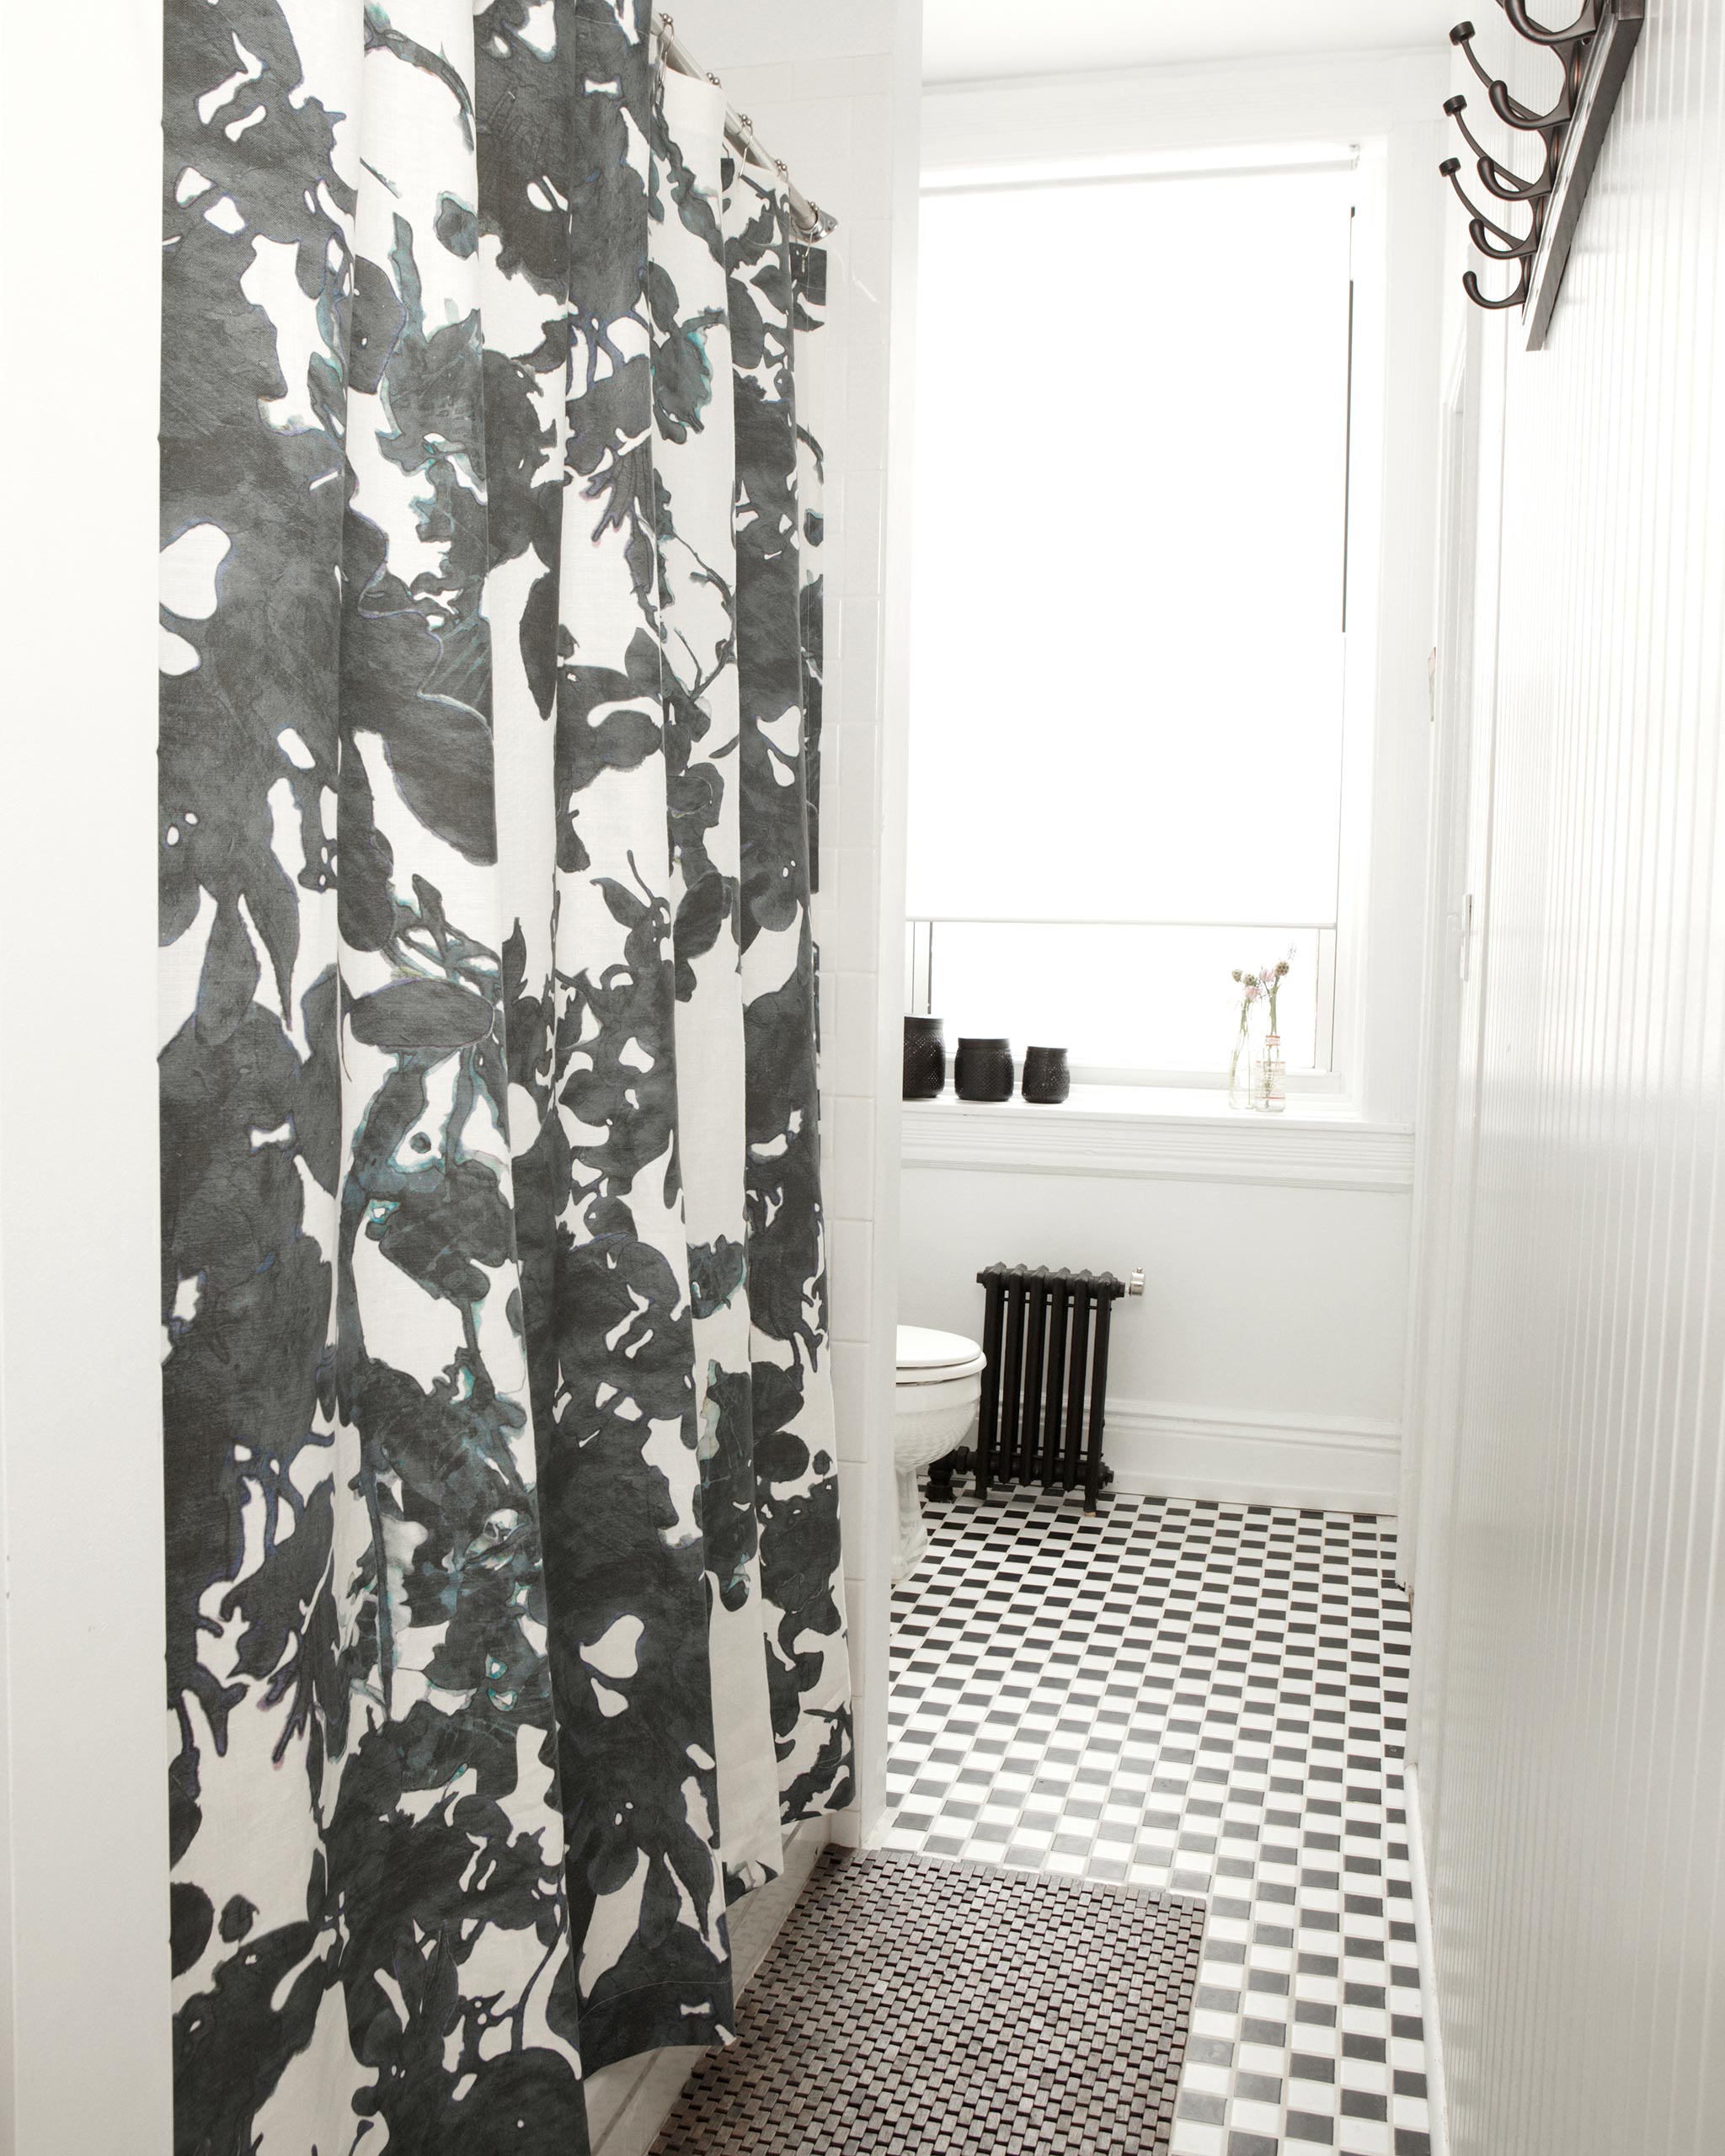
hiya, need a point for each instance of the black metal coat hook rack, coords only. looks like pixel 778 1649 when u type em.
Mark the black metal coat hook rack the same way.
pixel 1593 55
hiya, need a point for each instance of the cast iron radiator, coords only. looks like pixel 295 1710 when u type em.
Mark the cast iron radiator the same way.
pixel 1045 1386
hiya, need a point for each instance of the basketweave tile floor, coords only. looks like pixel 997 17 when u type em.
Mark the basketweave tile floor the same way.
pixel 881 2020
pixel 1210 1697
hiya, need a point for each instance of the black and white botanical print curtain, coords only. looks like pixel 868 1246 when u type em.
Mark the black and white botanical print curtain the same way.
pixel 504 1574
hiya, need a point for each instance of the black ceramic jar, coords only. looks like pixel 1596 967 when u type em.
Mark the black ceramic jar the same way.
pixel 984 1070
pixel 925 1059
pixel 1047 1078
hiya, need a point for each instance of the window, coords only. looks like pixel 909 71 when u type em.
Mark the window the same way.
pixel 1127 665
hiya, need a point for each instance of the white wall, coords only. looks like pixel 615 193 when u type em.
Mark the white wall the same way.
pixel 1266 1360
pixel 832 87
pixel 1570 1618
pixel 966 38
pixel 83 1953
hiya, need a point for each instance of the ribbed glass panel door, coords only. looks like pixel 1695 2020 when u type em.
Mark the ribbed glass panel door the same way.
pixel 1571 1714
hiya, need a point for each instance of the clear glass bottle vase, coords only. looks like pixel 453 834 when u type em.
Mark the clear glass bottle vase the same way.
pixel 1239 1066
pixel 1269 1076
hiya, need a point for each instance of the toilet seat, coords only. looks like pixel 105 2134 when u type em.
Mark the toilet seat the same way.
pixel 925 1357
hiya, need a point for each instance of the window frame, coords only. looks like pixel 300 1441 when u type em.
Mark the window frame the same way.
pixel 921 975
pixel 1340 987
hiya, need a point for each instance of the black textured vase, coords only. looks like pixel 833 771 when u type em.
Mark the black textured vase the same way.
pixel 984 1070
pixel 925 1059
pixel 1046 1079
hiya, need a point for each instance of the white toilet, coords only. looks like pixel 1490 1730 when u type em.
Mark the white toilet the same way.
pixel 934 1411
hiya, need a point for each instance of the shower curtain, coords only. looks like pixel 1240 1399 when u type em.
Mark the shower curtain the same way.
pixel 504 1575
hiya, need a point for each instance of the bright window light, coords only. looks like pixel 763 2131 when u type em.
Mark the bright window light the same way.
pixel 1127 686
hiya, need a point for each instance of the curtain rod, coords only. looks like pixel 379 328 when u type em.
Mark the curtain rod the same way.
pixel 812 221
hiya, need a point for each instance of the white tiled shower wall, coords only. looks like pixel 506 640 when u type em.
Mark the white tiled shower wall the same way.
pixel 833 90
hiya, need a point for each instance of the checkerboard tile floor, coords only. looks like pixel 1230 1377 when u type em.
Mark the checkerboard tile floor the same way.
pixel 1210 1697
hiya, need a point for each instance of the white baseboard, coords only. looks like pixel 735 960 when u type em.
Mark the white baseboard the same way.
pixel 1437 2101
pixel 1320 1463
pixel 629 2102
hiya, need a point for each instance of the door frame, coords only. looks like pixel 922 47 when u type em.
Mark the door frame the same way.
pixel 1464 718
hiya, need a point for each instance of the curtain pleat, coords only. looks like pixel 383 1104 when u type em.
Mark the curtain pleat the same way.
pixel 695 455
pixel 505 1583
pixel 809 275
pixel 796 1473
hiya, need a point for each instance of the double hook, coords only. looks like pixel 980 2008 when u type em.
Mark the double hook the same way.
pixel 1569 47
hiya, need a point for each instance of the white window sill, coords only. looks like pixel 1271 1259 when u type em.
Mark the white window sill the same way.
pixel 1184 1132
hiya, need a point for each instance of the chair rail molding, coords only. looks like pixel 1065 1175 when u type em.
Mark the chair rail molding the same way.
pixel 1308 1151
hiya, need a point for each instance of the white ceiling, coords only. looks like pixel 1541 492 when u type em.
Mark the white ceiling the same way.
pixel 967 40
